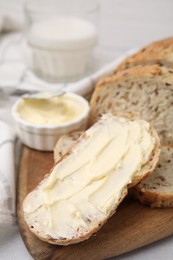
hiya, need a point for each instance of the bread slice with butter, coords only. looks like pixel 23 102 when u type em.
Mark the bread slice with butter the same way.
pixel 88 183
pixel 160 52
pixel 157 189
pixel 146 92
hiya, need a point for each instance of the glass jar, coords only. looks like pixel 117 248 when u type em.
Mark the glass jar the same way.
pixel 62 36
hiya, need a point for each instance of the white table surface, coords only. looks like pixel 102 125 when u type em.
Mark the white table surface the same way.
pixel 124 25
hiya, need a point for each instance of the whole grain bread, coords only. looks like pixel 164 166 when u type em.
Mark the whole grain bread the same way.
pixel 146 92
pixel 157 189
pixel 33 219
pixel 160 52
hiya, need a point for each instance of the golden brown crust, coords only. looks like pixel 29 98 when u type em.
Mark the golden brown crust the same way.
pixel 155 53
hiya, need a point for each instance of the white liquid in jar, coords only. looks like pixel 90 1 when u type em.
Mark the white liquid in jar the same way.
pixel 62 48
pixel 63 30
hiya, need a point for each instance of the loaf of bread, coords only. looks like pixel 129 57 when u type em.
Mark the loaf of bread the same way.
pixel 157 189
pixel 88 183
pixel 160 52
pixel 146 92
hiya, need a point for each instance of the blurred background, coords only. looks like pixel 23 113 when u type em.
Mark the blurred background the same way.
pixel 124 24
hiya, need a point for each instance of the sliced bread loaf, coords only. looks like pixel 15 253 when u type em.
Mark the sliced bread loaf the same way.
pixel 88 183
pixel 146 92
pixel 160 52
pixel 157 189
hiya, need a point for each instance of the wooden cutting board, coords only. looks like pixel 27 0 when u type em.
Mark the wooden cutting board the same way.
pixel 133 225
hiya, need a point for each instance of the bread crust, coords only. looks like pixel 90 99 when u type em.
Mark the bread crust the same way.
pixel 158 52
pixel 147 169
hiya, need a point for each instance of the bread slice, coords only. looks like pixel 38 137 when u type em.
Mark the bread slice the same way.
pixel 157 189
pixel 146 92
pixel 88 183
pixel 160 52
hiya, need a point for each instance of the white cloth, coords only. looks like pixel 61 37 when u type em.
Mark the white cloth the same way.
pixel 7 175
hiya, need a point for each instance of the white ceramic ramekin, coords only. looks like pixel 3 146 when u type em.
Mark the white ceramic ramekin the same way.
pixel 65 56
pixel 44 138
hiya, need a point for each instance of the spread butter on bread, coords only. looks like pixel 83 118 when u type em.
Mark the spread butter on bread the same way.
pixel 88 183
pixel 156 190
